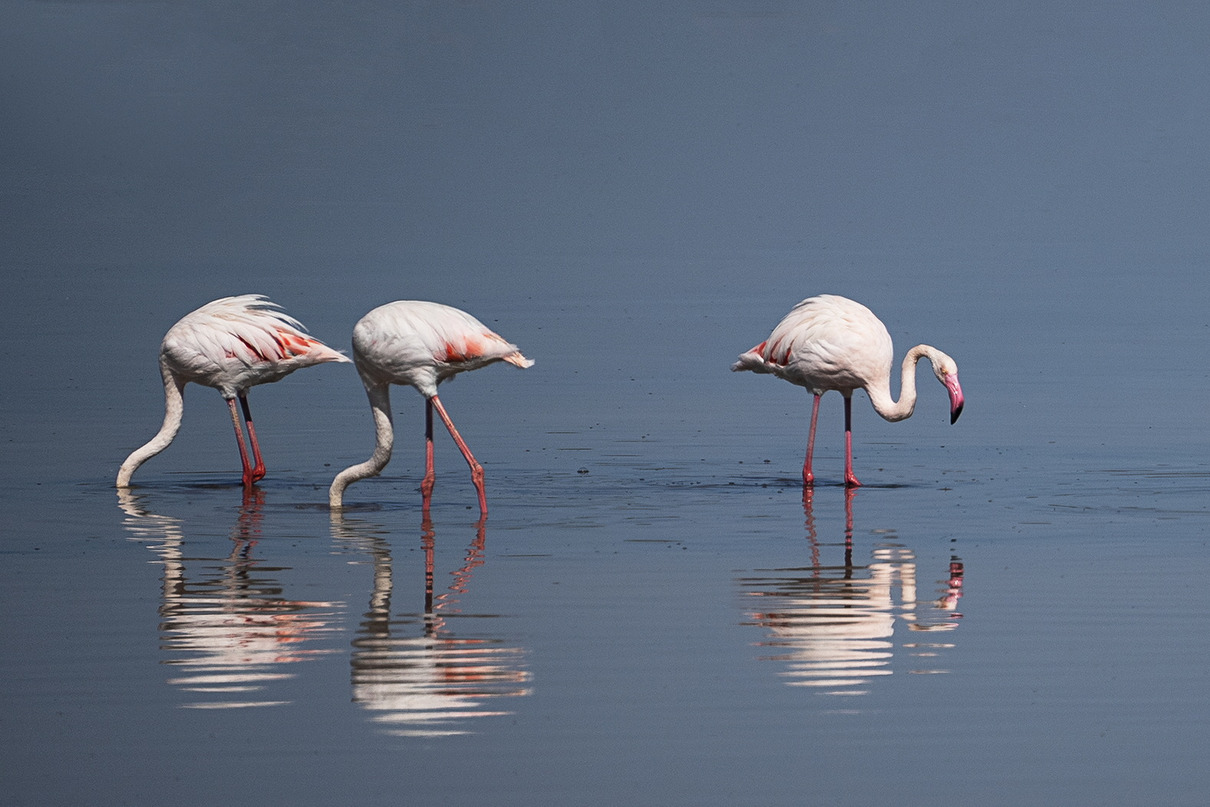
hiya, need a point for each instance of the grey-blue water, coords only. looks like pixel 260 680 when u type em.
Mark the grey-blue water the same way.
pixel 1011 610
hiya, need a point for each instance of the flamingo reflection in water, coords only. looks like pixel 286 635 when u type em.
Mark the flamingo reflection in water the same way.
pixel 411 671
pixel 834 626
pixel 226 627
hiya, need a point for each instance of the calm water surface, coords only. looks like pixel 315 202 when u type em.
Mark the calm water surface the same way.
pixel 651 612
pixel 1010 611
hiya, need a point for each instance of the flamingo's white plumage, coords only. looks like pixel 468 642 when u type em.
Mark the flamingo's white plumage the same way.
pixel 833 343
pixel 419 344
pixel 231 344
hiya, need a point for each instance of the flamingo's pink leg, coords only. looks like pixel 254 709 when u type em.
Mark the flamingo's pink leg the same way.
pixel 476 468
pixel 258 473
pixel 849 479
pixel 239 438
pixel 808 478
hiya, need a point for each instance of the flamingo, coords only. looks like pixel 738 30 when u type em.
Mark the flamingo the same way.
pixel 419 344
pixel 231 344
pixel 833 343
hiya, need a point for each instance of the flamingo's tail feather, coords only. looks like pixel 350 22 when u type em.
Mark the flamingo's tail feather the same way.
pixel 519 360
pixel 753 360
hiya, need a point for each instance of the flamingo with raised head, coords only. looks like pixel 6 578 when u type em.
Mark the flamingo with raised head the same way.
pixel 419 344
pixel 833 343
pixel 231 344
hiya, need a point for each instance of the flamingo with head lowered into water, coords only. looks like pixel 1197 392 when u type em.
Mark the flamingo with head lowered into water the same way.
pixel 231 344
pixel 833 343
pixel 419 344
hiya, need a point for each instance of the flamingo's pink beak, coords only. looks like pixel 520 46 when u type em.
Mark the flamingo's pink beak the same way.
pixel 956 399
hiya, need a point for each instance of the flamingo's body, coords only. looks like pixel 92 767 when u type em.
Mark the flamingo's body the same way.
pixel 418 344
pixel 231 344
pixel 833 343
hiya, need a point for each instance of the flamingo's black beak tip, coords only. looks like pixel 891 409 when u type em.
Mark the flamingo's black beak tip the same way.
pixel 957 399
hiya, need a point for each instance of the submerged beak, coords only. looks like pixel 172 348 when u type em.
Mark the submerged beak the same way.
pixel 956 399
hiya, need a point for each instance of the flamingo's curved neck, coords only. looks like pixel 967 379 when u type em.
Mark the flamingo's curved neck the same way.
pixel 384 440
pixel 174 408
pixel 880 393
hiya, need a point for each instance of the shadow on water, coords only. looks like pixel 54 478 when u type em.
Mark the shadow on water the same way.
pixel 832 623
pixel 425 673
pixel 225 623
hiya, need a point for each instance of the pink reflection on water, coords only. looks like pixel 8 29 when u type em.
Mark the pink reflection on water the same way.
pixel 225 626
pixel 833 626
pixel 428 673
